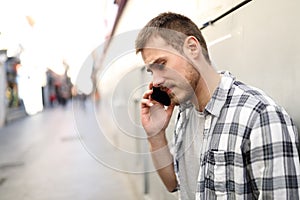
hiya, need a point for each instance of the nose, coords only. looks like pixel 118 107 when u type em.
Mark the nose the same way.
pixel 158 80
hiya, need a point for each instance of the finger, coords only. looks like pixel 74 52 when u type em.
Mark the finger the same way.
pixel 147 94
pixel 146 103
pixel 170 109
pixel 151 85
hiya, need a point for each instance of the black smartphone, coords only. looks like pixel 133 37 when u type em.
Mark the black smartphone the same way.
pixel 160 96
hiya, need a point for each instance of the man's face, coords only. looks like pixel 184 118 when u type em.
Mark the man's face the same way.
pixel 171 71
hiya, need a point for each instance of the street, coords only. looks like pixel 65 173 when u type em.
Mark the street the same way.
pixel 42 158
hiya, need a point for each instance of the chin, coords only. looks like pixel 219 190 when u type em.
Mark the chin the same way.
pixel 176 101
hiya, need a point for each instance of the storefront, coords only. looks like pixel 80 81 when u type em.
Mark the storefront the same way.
pixel 11 104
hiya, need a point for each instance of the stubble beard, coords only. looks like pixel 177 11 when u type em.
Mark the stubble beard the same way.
pixel 188 89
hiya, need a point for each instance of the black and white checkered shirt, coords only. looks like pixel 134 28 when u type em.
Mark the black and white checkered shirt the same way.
pixel 249 148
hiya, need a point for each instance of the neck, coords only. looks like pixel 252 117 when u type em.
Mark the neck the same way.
pixel 208 83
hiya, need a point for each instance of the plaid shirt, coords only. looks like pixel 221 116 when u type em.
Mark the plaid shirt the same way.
pixel 249 148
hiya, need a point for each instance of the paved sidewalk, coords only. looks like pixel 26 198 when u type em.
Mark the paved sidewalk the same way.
pixel 41 158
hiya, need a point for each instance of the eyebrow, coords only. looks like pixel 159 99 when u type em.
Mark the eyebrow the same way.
pixel 151 63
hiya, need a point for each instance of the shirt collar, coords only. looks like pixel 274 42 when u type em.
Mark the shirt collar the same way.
pixel 219 96
pixel 185 105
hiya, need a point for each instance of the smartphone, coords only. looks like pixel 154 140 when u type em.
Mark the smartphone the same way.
pixel 160 96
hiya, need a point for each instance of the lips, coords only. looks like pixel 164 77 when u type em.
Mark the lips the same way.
pixel 171 88
pixel 168 90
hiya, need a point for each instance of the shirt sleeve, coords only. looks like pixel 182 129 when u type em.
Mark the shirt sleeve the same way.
pixel 273 160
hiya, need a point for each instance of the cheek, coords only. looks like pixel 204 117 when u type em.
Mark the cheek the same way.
pixel 183 74
pixel 193 77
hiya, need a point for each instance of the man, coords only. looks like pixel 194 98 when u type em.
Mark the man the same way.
pixel 231 140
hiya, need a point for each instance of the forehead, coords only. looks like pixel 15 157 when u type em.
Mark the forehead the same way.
pixel 156 48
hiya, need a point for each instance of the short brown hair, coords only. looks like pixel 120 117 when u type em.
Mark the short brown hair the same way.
pixel 161 26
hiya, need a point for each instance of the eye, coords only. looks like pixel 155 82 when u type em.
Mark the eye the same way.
pixel 159 66
pixel 149 71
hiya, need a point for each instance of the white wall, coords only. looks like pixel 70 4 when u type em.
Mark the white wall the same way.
pixel 137 13
pixel 261 46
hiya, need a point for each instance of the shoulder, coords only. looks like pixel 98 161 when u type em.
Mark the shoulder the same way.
pixel 254 104
pixel 248 96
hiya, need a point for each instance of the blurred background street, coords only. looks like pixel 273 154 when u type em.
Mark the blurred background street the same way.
pixel 42 158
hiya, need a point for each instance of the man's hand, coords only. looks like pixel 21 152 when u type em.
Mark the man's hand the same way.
pixel 155 117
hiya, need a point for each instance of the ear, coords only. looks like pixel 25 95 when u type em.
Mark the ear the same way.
pixel 192 47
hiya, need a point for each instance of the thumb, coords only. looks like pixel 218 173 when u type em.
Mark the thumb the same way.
pixel 170 109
